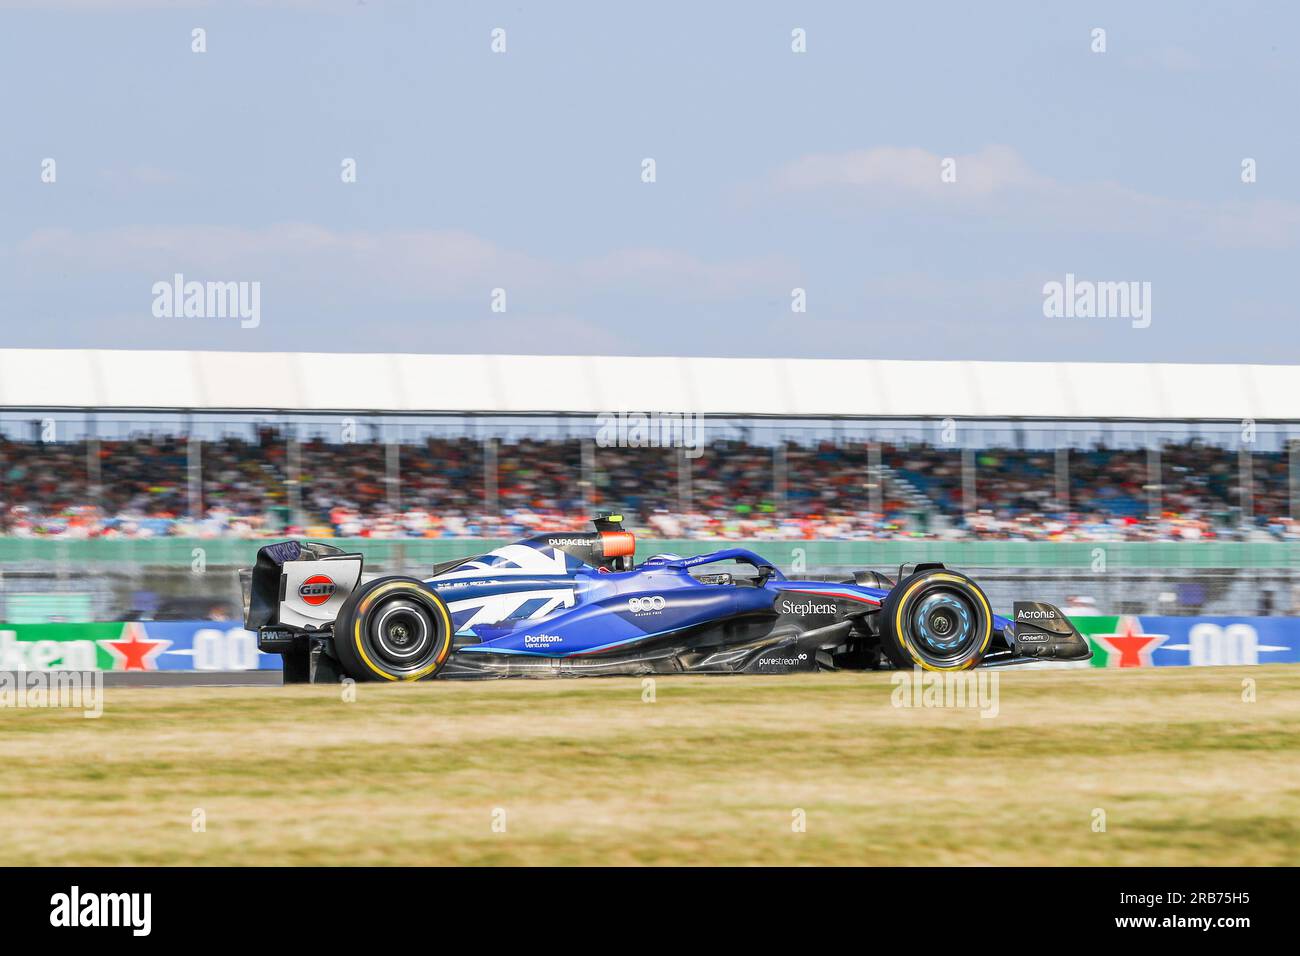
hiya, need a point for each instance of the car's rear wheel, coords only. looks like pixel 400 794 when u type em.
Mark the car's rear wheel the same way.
pixel 938 620
pixel 392 629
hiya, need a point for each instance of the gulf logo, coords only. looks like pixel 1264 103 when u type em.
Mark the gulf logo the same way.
pixel 316 590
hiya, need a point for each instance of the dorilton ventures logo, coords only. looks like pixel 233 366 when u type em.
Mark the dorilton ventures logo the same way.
pixel 541 640
pixel 75 908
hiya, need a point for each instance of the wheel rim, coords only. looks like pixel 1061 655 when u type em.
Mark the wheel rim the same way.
pixel 945 624
pixel 402 634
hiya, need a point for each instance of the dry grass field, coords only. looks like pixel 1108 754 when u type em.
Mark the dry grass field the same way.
pixel 712 771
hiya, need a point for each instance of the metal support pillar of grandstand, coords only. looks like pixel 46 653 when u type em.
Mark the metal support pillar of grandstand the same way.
pixel 1062 478
pixel 1155 481
pixel 780 476
pixel 93 475
pixel 194 475
pixel 1246 484
pixel 875 479
pixel 393 467
pixel 588 452
pixel 968 487
pixel 684 491
pixel 1293 461
pixel 490 475
pixel 293 466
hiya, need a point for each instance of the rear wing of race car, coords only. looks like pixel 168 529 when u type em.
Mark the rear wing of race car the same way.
pixel 298 585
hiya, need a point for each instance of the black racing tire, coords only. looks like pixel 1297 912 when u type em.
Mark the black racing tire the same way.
pixel 938 620
pixel 392 629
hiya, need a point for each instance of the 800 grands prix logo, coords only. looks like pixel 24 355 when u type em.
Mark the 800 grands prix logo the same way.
pixel 316 590
pixel 647 605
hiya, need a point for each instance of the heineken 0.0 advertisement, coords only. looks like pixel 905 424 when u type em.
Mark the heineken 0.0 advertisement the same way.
pixel 132 646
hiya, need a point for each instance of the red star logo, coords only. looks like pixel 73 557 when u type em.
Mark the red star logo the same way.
pixel 134 650
pixel 1130 647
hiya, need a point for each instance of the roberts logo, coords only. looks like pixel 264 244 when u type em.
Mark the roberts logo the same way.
pixel 74 909
pixel 806 607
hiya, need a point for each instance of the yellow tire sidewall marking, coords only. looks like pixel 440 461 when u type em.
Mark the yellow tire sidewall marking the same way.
pixel 901 633
pixel 400 586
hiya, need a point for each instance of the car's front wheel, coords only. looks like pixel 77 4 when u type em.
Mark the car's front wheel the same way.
pixel 938 620
pixel 392 629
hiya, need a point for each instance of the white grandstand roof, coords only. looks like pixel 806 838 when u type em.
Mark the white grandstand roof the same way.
pixel 525 384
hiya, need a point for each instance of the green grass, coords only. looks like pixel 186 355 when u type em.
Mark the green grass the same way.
pixel 711 772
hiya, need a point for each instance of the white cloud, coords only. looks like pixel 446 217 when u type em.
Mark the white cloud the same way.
pixel 1171 59
pixel 141 175
pixel 675 274
pixel 997 184
pixel 415 264
pixel 911 170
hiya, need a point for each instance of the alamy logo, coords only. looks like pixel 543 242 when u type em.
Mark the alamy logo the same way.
pixel 683 430
pixel 1084 299
pixel 74 908
pixel 919 688
pixel 45 686
pixel 179 299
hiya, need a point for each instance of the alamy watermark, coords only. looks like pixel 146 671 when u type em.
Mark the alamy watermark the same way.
pixel 179 299
pixel 47 689
pixel 922 689
pixel 75 908
pixel 1085 299
pixel 651 430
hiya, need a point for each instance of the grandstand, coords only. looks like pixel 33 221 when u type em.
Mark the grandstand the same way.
pixel 246 444
pixel 273 483
pixel 206 446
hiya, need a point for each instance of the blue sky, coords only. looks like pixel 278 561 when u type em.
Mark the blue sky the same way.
pixel 775 170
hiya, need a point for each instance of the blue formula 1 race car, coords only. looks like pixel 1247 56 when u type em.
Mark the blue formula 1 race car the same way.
pixel 576 604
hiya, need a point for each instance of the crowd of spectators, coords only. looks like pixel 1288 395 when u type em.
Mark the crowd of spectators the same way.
pixel 259 486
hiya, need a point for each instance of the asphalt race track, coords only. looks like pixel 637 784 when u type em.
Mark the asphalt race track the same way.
pixel 193 679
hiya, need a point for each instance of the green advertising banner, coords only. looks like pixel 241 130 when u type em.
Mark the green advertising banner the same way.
pixel 132 646
pixel 40 647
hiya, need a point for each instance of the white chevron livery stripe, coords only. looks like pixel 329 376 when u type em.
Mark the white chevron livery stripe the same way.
pixel 526 560
pixel 499 607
